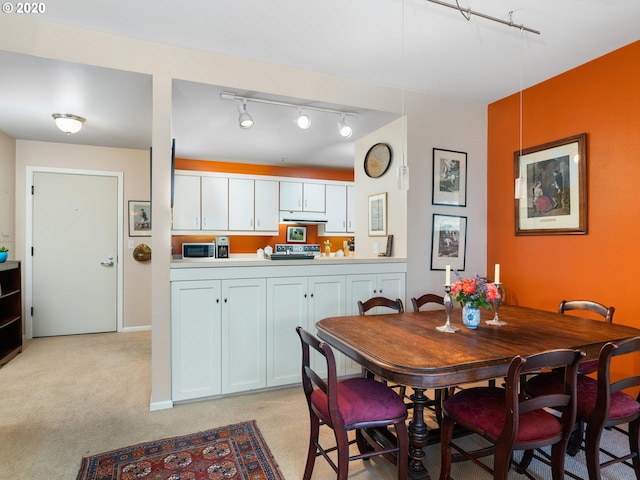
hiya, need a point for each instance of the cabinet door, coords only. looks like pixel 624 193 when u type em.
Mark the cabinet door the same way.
pixel 244 330
pixel 291 196
pixel 351 210
pixel 327 299
pixel 336 209
pixel 241 201
pixel 266 206
pixel 313 197
pixel 359 288
pixel 287 303
pixel 215 203
pixel 195 339
pixel 391 285
pixel 186 202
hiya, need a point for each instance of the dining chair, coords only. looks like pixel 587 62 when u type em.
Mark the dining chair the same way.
pixel 397 306
pixel 440 394
pixel 373 302
pixel 590 306
pixel 601 404
pixel 510 421
pixel 425 299
pixel 352 404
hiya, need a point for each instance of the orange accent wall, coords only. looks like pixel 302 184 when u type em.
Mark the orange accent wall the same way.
pixel 600 98
pixel 251 243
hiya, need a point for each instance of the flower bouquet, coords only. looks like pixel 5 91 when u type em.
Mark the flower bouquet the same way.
pixel 474 292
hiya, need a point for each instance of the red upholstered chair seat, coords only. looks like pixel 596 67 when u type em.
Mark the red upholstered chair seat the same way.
pixel 361 400
pixel 621 406
pixel 485 408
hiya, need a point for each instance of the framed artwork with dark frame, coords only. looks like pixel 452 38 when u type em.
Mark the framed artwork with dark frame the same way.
pixel 296 234
pixel 139 218
pixel 449 242
pixel 551 188
pixel 378 215
pixel 449 178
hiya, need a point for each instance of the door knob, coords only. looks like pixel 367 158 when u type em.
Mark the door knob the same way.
pixel 108 263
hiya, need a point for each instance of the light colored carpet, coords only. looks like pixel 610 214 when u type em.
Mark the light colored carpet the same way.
pixel 68 397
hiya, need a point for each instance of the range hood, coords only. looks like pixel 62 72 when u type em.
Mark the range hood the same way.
pixel 303 218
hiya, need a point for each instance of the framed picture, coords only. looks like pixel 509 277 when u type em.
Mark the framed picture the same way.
pixel 139 218
pixel 551 188
pixel 449 242
pixel 296 234
pixel 378 215
pixel 449 178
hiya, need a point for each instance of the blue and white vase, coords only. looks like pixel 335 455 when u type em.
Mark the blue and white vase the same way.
pixel 470 317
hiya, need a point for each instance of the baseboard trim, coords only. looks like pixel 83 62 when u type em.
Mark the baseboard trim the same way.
pixel 155 406
pixel 136 329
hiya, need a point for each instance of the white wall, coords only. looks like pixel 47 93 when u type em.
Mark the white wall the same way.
pixel 431 121
pixel 450 124
pixel 134 164
pixel 7 193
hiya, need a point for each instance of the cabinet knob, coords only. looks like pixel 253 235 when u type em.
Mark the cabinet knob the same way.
pixel 312 295
pixel 217 300
pixel 305 295
pixel 225 300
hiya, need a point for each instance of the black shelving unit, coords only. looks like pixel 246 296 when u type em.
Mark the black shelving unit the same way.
pixel 10 311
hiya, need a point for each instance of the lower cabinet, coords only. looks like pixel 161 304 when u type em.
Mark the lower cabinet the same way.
pixel 236 335
pixel 195 339
pixel 244 329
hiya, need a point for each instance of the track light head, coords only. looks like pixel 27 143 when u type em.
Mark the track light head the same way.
pixel 303 120
pixel 244 119
pixel 345 130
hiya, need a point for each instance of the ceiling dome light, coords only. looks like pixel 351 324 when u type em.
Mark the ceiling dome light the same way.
pixel 345 130
pixel 303 121
pixel 68 123
pixel 245 119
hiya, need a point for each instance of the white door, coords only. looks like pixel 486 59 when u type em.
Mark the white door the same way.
pixel 75 253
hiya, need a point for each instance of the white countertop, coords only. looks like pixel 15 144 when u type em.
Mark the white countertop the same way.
pixel 251 260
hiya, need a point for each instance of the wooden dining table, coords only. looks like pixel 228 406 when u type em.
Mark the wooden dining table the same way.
pixel 408 349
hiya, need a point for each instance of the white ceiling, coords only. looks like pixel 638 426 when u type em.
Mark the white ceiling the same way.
pixel 414 44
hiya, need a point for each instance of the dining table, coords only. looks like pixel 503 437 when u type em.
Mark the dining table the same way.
pixel 408 349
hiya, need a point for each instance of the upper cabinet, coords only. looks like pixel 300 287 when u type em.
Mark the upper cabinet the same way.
pixel 233 203
pixel 302 197
pixel 340 210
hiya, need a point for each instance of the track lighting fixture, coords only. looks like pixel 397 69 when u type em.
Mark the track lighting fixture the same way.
pixel 68 123
pixel 303 121
pixel 345 130
pixel 245 119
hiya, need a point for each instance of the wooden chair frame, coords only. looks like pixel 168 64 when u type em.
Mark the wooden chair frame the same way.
pixel 397 452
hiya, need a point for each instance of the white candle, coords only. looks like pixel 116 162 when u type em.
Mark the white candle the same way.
pixel 447 278
pixel 496 276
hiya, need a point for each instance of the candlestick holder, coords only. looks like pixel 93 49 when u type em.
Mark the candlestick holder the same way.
pixel 496 305
pixel 448 305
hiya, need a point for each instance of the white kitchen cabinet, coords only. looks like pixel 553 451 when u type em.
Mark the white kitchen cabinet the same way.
pixel 302 197
pixel 241 204
pixel 363 287
pixel 186 203
pixel 336 205
pixel 244 330
pixel 195 339
pixel 300 301
pixel 351 209
pixel 266 205
pixel 215 203
pixel 287 308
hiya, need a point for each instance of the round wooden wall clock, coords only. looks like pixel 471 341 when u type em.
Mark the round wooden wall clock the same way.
pixel 377 160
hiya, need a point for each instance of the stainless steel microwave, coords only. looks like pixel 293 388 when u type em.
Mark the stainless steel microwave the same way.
pixel 198 250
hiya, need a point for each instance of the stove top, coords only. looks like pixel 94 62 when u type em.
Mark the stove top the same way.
pixel 297 248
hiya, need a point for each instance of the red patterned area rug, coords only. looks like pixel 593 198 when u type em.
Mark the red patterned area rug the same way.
pixel 234 452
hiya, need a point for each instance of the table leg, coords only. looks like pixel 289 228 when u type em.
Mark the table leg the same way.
pixel 418 437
